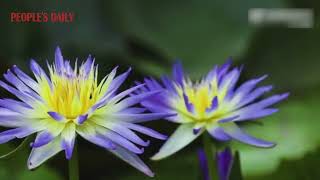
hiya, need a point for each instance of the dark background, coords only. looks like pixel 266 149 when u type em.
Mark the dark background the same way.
pixel 149 36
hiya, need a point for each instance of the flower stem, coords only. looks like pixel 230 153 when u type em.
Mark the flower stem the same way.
pixel 211 158
pixel 74 165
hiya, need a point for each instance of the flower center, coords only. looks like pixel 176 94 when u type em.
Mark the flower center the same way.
pixel 72 94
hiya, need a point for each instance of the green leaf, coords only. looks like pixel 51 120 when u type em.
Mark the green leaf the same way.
pixel 236 173
pixel 294 129
pixel 200 33
pixel 306 168
pixel 289 56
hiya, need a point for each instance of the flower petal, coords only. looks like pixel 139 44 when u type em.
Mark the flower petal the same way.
pixel 26 79
pixel 178 140
pixel 134 100
pixel 88 132
pixel 224 162
pixel 16 106
pixel 218 133
pixel 132 159
pixel 11 119
pixel 43 153
pixel 144 130
pixel 20 132
pixel 53 129
pixel 253 95
pixel 81 119
pixel 58 59
pixel 117 82
pixel 203 164
pixel 118 139
pixel 56 116
pixel 178 74
pixel 124 131
pixel 22 96
pixel 245 88
pixel 236 133
pixel 68 136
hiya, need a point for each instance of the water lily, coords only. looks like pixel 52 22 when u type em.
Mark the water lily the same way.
pixel 70 101
pixel 215 104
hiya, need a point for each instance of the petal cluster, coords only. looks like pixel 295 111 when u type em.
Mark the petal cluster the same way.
pixel 69 101
pixel 224 162
pixel 214 104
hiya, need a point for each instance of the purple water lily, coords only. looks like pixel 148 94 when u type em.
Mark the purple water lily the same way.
pixel 69 102
pixel 214 104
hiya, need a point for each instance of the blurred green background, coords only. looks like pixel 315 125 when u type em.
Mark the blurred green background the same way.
pixel 149 36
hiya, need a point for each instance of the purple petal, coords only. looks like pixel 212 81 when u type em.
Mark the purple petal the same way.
pixel 138 118
pixel 271 100
pixel 224 163
pixel 178 74
pixel 68 136
pixel 246 87
pixel 125 93
pixel 126 132
pixel 229 80
pixel 9 118
pixel 117 82
pixel 11 78
pixel 39 72
pixel 56 116
pixel 88 65
pixel 68 147
pixel 22 96
pixel 82 118
pixel 203 164
pixel 43 153
pixel 94 137
pixel 133 110
pixel 212 74
pixel 152 84
pixel 236 133
pixel 58 60
pixel 188 105
pixel 26 79
pixel 168 84
pixel 135 99
pixel 254 95
pixel 144 130
pixel 219 134
pixel 43 138
pixel 214 105
pixel 120 140
pixel 224 68
pixel 20 132
pixel 15 106
pixel 132 159
pixel 158 106
pixel 228 119
pixel 254 113
pixel 196 130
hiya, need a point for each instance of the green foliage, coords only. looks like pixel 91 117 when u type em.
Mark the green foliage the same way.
pixel 200 33
pixel 150 35
pixel 294 129
pixel 15 167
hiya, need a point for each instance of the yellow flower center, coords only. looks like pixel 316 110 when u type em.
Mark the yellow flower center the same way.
pixel 73 95
pixel 201 96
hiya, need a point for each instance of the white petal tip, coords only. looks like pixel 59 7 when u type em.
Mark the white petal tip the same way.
pixel 156 157
pixel 31 166
pixel 150 174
